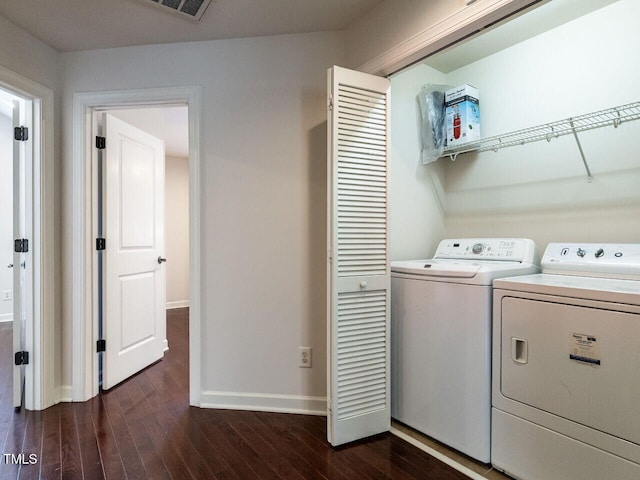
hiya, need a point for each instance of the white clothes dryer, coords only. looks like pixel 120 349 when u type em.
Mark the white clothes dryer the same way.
pixel 566 366
pixel 441 338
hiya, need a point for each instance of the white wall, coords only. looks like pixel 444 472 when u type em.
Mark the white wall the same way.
pixel 263 203
pixel 6 211
pixel 540 190
pixel 177 230
pixel 416 218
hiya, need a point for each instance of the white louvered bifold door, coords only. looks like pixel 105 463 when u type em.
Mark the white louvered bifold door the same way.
pixel 358 267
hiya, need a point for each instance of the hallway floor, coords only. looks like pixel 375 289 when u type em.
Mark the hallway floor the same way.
pixel 144 429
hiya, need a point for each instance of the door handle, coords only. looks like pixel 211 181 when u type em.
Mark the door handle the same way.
pixel 161 260
pixel 519 350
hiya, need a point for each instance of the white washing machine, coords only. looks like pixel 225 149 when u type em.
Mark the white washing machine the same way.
pixel 566 366
pixel 441 338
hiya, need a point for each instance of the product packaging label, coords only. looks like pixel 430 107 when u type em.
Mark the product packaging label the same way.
pixel 585 349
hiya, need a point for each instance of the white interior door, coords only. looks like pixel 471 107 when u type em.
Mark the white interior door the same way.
pixel 20 158
pixel 134 280
pixel 358 265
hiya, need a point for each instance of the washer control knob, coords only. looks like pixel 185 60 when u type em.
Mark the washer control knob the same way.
pixel 599 253
pixel 477 248
pixel 581 252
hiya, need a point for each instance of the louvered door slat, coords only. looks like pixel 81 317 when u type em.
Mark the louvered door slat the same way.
pixel 358 261
pixel 347 133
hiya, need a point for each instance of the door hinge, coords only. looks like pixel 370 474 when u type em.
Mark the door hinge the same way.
pixel 101 244
pixel 330 102
pixel 101 142
pixel 22 358
pixel 21 245
pixel 101 345
pixel 21 134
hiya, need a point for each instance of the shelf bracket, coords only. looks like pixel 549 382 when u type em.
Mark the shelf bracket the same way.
pixel 584 160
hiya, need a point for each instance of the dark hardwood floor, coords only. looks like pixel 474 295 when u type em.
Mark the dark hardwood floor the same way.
pixel 145 429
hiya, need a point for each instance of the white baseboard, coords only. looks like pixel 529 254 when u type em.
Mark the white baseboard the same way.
pixel 6 317
pixel 261 402
pixel 64 393
pixel 177 304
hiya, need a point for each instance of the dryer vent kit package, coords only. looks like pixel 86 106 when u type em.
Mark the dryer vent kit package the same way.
pixel 431 100
pixel 462 112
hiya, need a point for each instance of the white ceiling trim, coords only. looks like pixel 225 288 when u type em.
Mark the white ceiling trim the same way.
pixel 446 32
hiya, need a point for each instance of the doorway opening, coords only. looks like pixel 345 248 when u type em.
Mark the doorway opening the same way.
pixel 11 107
pixel 177 105
pixel 143 214
pixel 27 271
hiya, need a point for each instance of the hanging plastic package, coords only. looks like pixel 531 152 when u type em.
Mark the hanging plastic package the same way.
pixel 431 99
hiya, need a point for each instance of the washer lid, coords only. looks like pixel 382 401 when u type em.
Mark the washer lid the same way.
pixel 437 268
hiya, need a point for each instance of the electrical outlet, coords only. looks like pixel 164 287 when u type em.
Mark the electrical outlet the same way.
pixel 304 357
pixel 6 295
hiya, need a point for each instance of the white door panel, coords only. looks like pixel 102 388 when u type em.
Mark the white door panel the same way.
pixel 133 277
pixel 22 229
pixel 358 266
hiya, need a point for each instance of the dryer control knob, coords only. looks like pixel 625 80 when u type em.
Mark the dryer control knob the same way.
pixel 477 248
pixel 599 253
pixel 581 252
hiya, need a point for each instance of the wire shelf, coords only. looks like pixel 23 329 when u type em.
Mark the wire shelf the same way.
pixel 573 125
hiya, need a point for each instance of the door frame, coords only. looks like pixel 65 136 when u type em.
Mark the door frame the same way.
pixel 85 375
pixel 40 334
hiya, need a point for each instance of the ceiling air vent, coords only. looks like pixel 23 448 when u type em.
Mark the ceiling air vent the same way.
pixel 193 9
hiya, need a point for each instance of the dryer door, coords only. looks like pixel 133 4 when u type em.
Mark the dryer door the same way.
pixel 581 363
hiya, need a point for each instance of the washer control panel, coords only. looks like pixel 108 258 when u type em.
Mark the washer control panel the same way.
pixel 490 249
pixel 611 260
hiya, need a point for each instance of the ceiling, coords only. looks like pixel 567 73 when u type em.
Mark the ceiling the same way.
pixel 69 25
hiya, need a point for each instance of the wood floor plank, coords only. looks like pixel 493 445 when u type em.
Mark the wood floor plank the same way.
pixel 144 428
pixel 51 459
pixel 88 440
pixel 327 465
pixel 242 467
pixel 246 429
pixel 144 444
pixel 285 450
pixel 129 455
pixel 311 432
pixel 107 442
pixel 165 403
pixel 32 447
pixel 315 427
pixel 165 447
pixel 14 444
pixel 201 443
pixel 70 443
